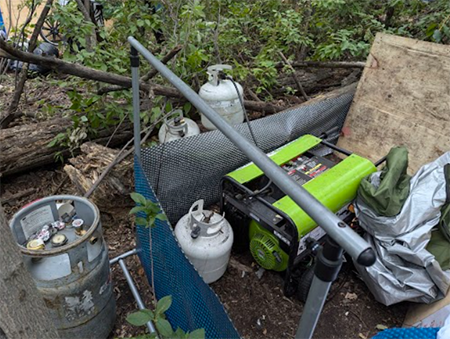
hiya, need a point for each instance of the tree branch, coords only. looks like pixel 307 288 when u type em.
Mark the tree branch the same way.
pixel 146 77
pixel 60 66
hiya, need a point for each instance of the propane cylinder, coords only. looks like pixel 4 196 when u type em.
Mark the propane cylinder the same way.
pixel 206 238
pixel 64 251
pixel 222 96
pixel 177 127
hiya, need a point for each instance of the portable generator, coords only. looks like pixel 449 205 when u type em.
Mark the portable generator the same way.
pixel 277 231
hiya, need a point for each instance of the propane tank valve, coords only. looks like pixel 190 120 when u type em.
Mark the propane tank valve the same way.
pixel 195 232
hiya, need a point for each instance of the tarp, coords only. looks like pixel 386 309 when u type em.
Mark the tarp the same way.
pixel 404 269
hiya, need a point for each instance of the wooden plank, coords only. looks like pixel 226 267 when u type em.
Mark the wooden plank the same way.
pixel 403 98
pixel 22 311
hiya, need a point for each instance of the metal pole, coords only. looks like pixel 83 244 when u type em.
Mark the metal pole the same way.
pixel 356 246
pixel 134 60
pixel 123 256
pixel 313 307
pixel 135 292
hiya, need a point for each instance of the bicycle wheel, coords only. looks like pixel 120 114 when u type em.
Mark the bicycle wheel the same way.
pixel 50 31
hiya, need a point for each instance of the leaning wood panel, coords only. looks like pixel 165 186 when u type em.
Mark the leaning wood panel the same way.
pixel 403 98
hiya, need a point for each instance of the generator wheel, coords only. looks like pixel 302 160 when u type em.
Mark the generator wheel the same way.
pixel 305 284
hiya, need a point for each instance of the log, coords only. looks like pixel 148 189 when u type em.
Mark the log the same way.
pixel 26 147
pixel 85 169
pixel 61 66
pixel 22 314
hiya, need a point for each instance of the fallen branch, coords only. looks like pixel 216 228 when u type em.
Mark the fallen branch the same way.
pixel 61 66
pixel 146 77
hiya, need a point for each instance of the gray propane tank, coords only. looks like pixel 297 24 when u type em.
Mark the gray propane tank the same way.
pixel 206 238
pixel 177 127
pixel 222 96
pixel 68 260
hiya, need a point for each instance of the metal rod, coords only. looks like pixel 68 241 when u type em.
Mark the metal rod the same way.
pixel 379 162
pixel 313 307
pixel 123 256
pixel 134 60
pixel 135 292
pixel 356 246
pixel 336 148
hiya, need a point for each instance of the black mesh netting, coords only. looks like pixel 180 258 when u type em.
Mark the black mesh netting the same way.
pixel 185 170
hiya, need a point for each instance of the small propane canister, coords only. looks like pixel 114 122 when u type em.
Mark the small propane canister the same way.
pixel 177 127
pixel 222 96
pixel 206 238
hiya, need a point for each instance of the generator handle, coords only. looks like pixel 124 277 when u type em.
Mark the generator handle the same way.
pixel 351 242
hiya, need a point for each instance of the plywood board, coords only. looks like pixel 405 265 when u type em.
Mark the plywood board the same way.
pixel 403 98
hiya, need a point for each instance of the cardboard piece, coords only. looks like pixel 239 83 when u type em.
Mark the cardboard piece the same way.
pixel 428 315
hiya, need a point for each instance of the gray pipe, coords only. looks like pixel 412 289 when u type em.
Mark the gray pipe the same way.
pixel 351 242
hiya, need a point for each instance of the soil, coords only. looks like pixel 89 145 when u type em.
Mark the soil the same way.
pixel 256 305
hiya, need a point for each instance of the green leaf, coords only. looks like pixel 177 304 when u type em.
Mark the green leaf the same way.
pixel 140 317
pixel 197 334
pixel 141 221
pixel 137 209
pixel 163 304
pixel 164 327
pixel 138 198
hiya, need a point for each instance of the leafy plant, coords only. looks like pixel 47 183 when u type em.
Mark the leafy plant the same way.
pixel 158 318
pixel 151 210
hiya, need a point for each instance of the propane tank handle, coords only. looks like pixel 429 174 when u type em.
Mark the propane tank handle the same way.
pixel 199 227
pixel 213 72
pixel 170 123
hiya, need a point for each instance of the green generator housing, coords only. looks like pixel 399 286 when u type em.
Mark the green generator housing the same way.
pixel 268 222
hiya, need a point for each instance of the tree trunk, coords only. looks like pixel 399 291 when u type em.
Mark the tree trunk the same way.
pixel 22 310
pixel 26 147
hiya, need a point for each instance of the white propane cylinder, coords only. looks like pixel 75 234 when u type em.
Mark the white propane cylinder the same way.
pixel 222 96
pixel 177 127
pixel 206 238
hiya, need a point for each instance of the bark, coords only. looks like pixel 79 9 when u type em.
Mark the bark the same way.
pixel 60 66
pixel 26 147
pixel 22 311
pixel 85 169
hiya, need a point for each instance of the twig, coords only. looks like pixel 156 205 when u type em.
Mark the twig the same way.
pixel 91 42
pixel 5 121
pixel 299 85
pixel 122 155
pixel 146 77
pixel 325 64
pixel 12 198
pixel 62 182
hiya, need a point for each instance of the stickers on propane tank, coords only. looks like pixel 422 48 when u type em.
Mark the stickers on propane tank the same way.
pixel 33 222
